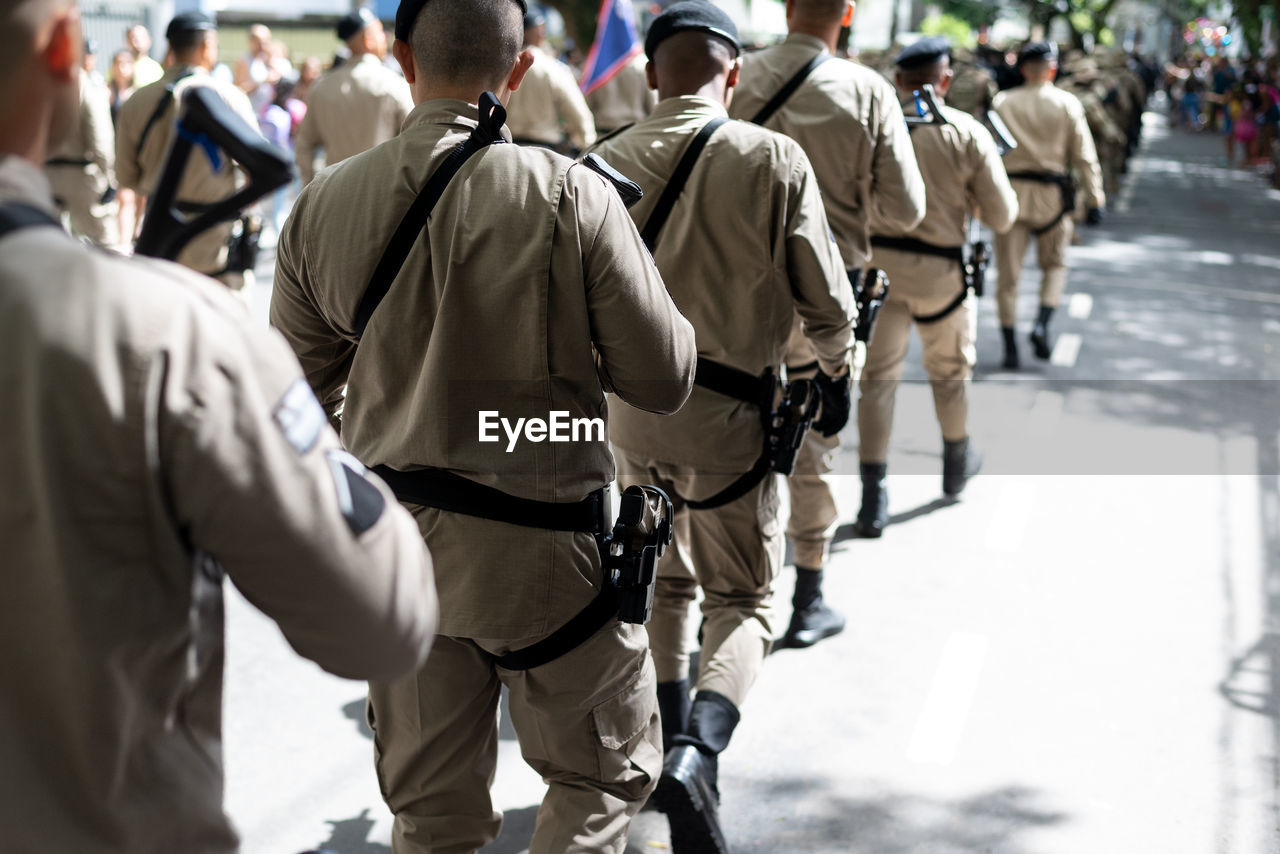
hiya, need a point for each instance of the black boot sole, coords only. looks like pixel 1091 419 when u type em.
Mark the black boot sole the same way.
pixel 808 637
pixel 1040 344
pixel 691 811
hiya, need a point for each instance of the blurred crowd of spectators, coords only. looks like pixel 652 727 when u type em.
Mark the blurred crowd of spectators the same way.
pixel 1238 99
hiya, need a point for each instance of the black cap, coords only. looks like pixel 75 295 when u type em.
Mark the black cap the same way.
pixel 698 15
pixel 924 53
pixel 408 11
pixel 90 47
pixel 1038 52
pixel 190 22
pixel 534 19
pixel 353 22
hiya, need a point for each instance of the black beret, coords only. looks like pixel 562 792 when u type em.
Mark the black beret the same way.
pixel 923 53
pixel 353 22
pixel 1038 52
pixel 698 15
pixel 91 47
pixel 408 11
pixel 190 22
pixel 533 19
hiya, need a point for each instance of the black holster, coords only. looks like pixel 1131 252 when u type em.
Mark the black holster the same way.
pixel 870 290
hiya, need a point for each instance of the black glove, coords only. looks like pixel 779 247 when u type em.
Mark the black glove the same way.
pixel 837 403
pixel 108 196
pixel 1094 216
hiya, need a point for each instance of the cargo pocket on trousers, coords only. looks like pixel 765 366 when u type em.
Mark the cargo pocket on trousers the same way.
pixel 629 751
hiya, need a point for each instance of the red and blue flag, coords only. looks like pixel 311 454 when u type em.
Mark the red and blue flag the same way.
pixel 616 43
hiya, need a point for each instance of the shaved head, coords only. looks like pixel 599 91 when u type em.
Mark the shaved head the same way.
pixel 692 63
pixel 467 43
pixel 821 9
pixel 20 22
pixel 41 52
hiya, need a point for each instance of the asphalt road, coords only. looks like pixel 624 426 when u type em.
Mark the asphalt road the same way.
pixel 1080 656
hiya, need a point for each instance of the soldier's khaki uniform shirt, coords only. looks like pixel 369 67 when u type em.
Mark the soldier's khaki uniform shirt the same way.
pixel 83 167
pixel 152 418
pixel 625 99
pixel 528 272
pixel 138 167
pixel 1053 136
pixel 548 105
pixel 350 110
pixel 848 120
pixel 964 173
pixel 746 247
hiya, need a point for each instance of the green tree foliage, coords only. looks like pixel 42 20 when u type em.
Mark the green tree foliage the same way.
pixel 957 30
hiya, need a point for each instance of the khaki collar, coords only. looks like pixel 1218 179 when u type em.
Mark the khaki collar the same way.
pixel 686 106
pixel 806 40
pixel 449 113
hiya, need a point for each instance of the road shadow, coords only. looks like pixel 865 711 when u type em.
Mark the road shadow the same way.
pixel 351 835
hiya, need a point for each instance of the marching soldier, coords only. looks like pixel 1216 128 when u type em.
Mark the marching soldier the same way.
pixel 926 265
pixel 549 108
pixel 745 247
pixel 145 131
pixel 392 270
pixel 624 99
pixel 354 107
pixel 848 120
pixel 164 439
pixel 1053 139
pixel 82 169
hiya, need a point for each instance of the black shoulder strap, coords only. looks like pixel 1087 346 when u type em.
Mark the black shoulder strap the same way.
pixel 487 132
pixel 165 103
pixel 675 185
pixel 788 89
pixel 16 215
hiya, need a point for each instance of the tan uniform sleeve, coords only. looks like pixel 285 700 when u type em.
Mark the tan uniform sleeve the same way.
pixel 260 483
pixel 573 109
pixel 991 195
pixel 646 348
pixel 100 136
pixel 324 354
pixel 897 189
pixel 819 282
pixel 304 147
pixel 1084 157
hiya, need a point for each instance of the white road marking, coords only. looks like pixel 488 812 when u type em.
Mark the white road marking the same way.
pixel 1199 290
pixel 946 710
pixel 1066 350
pixel 1080 306
pixel 1219 259
pixel 1126 196
pixel 1012 514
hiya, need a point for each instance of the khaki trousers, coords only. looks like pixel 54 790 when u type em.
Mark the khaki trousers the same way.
pixel 78 192
pixel 587 722
pixel 733 554
pixel 1051 255
pixel 812 522
pixel 919 286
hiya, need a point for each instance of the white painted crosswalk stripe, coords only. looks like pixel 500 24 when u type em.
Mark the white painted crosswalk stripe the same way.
pixel 1080 306
pixel 946 710
pixel 1066 350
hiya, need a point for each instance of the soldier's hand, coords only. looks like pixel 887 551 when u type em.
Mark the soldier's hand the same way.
pixel 1094 216
pixel 837 403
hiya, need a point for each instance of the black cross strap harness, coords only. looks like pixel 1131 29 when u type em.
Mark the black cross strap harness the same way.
pixel 18 215
pixel 1065 186
pixel 785 426
pixel 628 553
pixel 920 247
pixel 788 89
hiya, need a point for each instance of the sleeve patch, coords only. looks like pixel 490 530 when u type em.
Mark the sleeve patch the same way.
pixel 359 500
pixel 300 416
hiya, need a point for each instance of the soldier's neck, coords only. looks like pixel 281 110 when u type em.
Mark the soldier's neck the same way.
pixel 826 32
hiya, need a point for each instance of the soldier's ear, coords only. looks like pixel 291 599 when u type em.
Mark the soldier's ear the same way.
pixel 62 54
pixel 524 61
pixel 651 75
pixel 404 56
pixel 849 9
pixel 734 71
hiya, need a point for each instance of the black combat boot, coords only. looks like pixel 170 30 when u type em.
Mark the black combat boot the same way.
pixel 1040 333
pixel 959 463
pixel 673 707
pixel 687 791
pixel 1011 359
pixel 874 514
pixel 812 619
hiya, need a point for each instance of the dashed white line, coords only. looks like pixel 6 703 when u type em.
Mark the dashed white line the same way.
pixel 1080 306
pixel 946 710
pixel 1066 350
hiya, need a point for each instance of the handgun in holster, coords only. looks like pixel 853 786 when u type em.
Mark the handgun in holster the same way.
pixel 975 266
pixel 789 422
pixel 870 290
pixel 630 553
